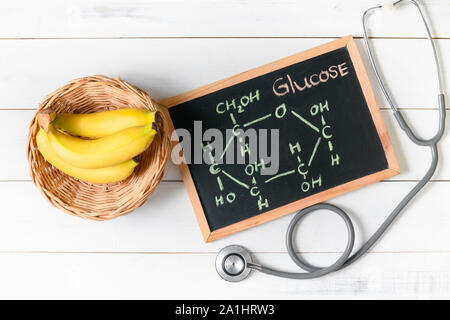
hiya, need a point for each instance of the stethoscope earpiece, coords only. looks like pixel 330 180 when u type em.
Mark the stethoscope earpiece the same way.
pixel 232 263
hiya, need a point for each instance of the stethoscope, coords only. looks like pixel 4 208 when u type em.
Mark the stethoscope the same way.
pixel 234 263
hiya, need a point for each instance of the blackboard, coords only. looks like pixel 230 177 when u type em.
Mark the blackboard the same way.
pixel 331 138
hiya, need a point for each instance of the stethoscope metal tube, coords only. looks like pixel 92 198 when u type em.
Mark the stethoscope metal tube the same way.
pixel 239 263
pixel 397 114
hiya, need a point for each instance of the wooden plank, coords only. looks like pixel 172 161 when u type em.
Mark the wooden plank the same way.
pixel 192 276
pixel 203 18
pixel 30 69
pixel 29 223
pixel 413 160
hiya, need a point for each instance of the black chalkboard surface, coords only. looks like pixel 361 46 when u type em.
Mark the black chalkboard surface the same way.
pixel 324 131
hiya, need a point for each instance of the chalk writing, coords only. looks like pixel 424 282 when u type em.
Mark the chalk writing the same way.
pixel 286 85
pixel 239 106
pixel 313 119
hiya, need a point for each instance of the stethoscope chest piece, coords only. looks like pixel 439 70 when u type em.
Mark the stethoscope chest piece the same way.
pixel 232 263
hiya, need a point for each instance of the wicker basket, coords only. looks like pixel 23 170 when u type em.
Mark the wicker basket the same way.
pixel 97 201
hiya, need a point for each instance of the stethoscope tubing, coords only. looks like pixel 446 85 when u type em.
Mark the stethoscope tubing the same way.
pixel 346 259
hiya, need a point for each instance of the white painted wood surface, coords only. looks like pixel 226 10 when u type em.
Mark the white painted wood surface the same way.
pixel 167 66
pixel 168 47
pixel 208 18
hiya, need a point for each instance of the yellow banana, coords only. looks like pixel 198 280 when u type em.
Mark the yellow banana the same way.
pixel 103 152
pixel 101 124
pixel 103 175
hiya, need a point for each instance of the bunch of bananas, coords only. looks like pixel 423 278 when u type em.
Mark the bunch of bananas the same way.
pixel 99 147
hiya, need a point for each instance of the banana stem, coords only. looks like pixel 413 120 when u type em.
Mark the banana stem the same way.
pixel 44 118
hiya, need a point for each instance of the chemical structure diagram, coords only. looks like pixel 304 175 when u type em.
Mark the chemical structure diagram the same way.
pixel 304 158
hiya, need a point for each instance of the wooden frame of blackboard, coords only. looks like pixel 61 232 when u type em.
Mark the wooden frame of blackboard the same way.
pixel 393 167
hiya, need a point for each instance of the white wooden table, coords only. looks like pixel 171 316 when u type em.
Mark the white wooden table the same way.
pixel 168 47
